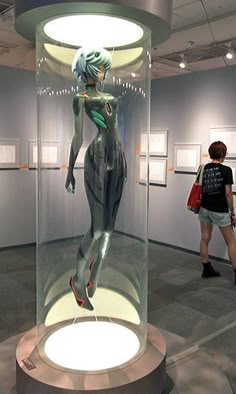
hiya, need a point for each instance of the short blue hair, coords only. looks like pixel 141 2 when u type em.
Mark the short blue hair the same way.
pixel 86 60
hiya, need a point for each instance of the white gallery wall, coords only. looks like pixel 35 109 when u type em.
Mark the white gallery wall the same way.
pixel 187 106
pixel 17 187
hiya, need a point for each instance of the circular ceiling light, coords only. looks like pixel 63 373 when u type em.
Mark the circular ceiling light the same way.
pixel 229 55
pixel 93 30
pixel 92 346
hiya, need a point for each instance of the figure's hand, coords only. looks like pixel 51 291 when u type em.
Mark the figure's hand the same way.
pixel 70 183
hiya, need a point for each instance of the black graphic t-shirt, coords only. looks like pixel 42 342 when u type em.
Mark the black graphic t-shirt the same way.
pixel 215 177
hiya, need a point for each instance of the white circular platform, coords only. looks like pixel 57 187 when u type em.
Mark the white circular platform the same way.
pixel 92 346
pixel 146 374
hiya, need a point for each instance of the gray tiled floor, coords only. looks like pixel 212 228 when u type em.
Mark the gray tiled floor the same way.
pixel 185 307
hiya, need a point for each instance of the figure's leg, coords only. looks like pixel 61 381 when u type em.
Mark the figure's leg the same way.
pixel 77 281
pixel 94 187
pixel 114 182
pixel 97 264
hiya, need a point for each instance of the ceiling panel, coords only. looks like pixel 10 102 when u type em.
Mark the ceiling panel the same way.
pixel 190 14
pixel 182 3
pixel 206 64
pixel 224 29
pixel 216 8
pixel 179 41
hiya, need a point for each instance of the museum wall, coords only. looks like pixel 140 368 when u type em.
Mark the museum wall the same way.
pixel 18 186
pixel 187 106
pixel 17 191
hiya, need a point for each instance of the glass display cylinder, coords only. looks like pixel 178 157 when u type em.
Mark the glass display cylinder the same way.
pixel 92 242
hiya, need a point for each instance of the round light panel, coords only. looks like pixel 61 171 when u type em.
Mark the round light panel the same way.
pixel 92 346
pixel 93 30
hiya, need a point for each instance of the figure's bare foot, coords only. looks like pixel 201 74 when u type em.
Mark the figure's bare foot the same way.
pixel 80 294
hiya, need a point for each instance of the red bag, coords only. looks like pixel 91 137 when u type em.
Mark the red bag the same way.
pixel 195 195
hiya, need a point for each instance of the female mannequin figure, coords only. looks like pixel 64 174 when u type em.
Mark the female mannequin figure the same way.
pixel 104 167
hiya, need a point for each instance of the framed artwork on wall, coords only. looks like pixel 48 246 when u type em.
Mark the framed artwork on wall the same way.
pixel 80 158
pixel 187 158
pixel 232 164
pixel 228 136
pixel 50 154
pixel 143 170
pixel 157 171
pixel 157 143
pixel 9 154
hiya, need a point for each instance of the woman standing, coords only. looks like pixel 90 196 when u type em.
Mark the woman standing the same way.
pixel 217 207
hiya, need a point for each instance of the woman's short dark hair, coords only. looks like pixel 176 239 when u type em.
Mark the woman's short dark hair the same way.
pixel 217 150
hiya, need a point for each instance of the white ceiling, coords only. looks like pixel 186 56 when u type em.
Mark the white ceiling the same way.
pixel 196 25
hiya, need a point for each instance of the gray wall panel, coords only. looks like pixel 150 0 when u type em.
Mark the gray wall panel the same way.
pixel 188 106
pixel 17 192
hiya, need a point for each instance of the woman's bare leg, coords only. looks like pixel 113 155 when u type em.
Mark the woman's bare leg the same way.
pixel 208 270
pixel 206 231
pixel 229 237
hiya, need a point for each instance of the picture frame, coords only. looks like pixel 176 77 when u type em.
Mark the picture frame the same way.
pixel 227 135
pixel 187 158
pixel 50 154
pixel 143 170
pixel 158 140
pixel 232 165
pixel 9 154
pixel 157 171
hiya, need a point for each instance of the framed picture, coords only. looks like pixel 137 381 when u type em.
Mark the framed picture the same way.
pixel 157 171
pixel 228 136
pixel 143 170
pixel 187 158
pixel 80 158
pixel 9 154
pixel 232 164
pixel 157 143
pixel 50 154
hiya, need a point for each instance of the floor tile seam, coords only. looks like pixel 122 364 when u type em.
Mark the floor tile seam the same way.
pixel 216 334
pixel 181 356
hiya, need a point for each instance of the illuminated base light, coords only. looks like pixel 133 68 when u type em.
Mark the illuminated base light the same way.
pixel 70 30
pixel 92 346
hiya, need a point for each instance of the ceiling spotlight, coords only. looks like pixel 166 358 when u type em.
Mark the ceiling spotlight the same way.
pixel 183 62
pixel 229 54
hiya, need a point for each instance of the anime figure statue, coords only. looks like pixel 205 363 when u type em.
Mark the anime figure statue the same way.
pixel 104 167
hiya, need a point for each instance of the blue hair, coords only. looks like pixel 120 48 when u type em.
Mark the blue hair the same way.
pixel 86 60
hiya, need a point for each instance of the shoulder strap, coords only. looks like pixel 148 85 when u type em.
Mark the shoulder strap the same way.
pixel 201 174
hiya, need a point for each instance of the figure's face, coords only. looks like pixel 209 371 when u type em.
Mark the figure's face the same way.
pixel 101 73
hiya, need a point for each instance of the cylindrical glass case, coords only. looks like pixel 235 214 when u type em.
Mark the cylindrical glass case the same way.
pixel 92 242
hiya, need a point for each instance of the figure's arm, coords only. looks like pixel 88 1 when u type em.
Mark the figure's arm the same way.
pixel 76 142
pixel 125 164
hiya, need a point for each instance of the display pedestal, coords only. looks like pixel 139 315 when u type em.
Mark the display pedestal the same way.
pixel 146 375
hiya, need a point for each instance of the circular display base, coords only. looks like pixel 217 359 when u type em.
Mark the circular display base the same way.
pixel 146 375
